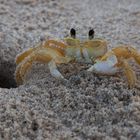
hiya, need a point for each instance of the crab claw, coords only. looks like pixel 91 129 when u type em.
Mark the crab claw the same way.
pixel 107 66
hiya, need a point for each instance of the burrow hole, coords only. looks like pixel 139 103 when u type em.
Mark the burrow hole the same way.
pixel 7 79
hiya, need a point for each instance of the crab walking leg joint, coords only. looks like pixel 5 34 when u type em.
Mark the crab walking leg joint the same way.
pixel 91 51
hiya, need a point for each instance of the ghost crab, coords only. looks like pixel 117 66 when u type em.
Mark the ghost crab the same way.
pixel 93 51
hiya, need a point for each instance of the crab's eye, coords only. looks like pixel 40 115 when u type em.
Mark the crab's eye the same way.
pixel 91 34
pixel 73 33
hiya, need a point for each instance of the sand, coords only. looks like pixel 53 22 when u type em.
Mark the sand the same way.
pixel 88 106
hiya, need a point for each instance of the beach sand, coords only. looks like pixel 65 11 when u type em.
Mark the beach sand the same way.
pixel 88 106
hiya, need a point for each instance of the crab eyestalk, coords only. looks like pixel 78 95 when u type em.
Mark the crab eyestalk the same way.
pixel 91 34
pixel 73 33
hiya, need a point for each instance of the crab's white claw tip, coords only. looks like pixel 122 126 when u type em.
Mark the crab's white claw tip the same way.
pixel 55 73
pixel 90 69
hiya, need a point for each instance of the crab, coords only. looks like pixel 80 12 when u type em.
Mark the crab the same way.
pixel 92 51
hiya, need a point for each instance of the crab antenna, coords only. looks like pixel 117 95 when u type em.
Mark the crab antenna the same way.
pixel 91 34
pixel 73 33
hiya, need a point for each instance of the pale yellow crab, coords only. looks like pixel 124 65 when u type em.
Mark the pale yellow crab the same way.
pixel 93 50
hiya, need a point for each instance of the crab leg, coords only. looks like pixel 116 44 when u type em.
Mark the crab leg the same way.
pixel 27 63
pixel 53 44
pixel 18 77
pixel 60 44
pixel 54 71
pixel 130 74
pixel 26 53
pixel 47 44
pixel 45 55
pixel 22 56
